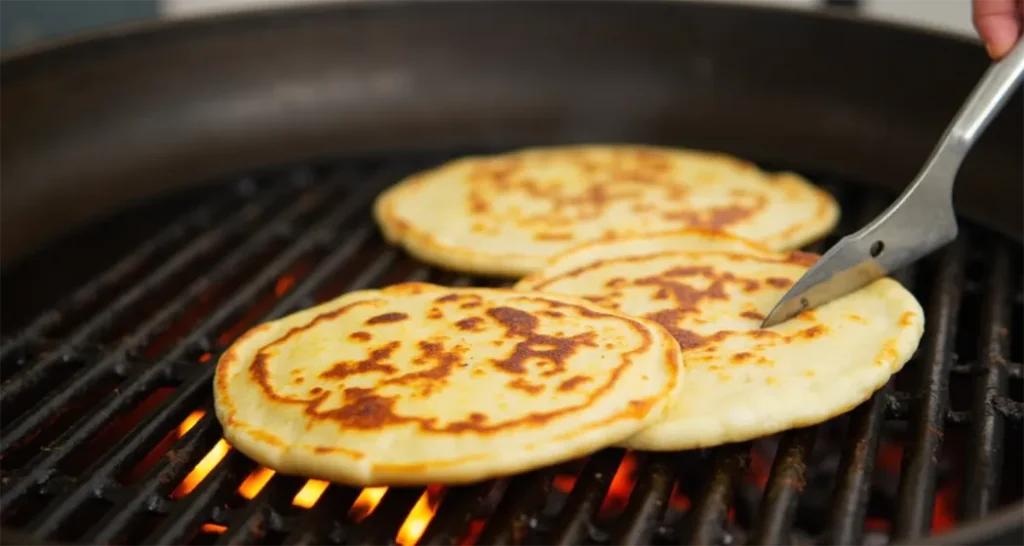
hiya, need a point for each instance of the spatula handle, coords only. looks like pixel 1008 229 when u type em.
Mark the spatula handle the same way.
pixel 987 99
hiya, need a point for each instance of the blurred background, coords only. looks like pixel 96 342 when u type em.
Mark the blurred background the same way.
pixel 24 22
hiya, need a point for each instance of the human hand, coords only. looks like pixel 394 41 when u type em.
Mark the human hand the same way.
pixel 999 23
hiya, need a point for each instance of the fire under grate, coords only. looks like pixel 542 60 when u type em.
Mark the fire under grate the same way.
pixel 109 435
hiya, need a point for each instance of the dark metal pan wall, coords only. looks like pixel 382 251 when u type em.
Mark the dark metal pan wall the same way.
pixel 89 126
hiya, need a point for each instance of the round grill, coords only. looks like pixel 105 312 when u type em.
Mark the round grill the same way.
pixel 109 436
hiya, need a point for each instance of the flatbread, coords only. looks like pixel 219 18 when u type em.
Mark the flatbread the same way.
pixel 417 384
pixel 742 382
pixel 506 215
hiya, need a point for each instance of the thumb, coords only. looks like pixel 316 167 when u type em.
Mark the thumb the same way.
pixel 998 23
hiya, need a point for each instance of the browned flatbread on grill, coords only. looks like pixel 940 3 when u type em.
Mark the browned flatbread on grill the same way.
pixel 417 384
pixel 711 292
pixel 507 214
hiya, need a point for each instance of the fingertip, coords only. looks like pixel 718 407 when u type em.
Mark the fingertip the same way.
pixel 998 48
pixel 993 52
pixel 999 24
pixel 999 37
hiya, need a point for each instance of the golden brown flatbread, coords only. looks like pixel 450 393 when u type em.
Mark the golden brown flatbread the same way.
pixel 417 384
pixel 711 292
pixel 507 214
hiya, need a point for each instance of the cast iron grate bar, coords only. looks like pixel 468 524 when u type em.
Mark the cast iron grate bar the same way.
pixel 199 385
pixel 637 524
pixel 318 525
pixel 158 483
pixel 855 469
pixel 524 495
pixel 43 369
pixel 931 400
pixel 113 276
pixel 985 459
pixel 708 517
pixel 186 516
pixel 589 491
pixel 846 525
pixel 506 511
pixel 251 524
pixel 208 241
pixel 134 445
pixel 383 524
pixel 787 480
pixel 455 513
pixel 141 383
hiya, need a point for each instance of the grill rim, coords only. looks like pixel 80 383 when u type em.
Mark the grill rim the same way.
pixel 142 122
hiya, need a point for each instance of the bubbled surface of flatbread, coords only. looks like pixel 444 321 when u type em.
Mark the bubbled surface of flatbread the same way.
pixel 417 383
pixel 742 381
pixel 508 214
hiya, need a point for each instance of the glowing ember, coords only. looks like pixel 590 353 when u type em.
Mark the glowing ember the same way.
pixel 621 488
pixel 876 524
pixel 205 357
pixel 944 513
pixel 475 528
pixel 205 466
pixel 208 462
pixel 190 422
pixel 890 458
pixel 213 528
pixel 564 482
pixel 678 500
pixel 622 485
pixel 284 284
pixel 255 482
pixel 890 461
pixel 417 521
pixel 760 469
pixel 310 493
pixel 366 502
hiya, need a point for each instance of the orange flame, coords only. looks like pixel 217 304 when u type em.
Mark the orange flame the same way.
pixel 366 502
pixel 190 422
pixel 310 493
pixel 255 482
pixel 622 485
pixel 419 517
pixel 205 466
pixel 307 497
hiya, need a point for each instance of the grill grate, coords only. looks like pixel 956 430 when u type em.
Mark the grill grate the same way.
pixel 106 404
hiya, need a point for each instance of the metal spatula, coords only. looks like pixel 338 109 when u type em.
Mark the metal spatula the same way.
pixel 921 220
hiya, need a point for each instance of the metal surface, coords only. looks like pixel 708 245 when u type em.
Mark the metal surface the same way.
pixel 305 235
pixel 921 220
pixel 188 101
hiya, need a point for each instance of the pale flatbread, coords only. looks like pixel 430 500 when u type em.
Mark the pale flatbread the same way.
pixel 507 214
pixel 742 382
pixel 417 384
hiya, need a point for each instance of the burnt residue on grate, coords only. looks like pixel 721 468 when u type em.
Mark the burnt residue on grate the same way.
pixel 109 436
